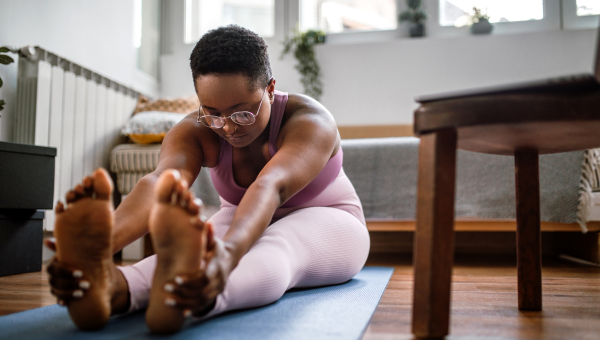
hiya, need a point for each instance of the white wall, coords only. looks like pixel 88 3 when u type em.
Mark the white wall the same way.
pixel 94 34
pixel 375 83
pixel 372 84
pixel 365 83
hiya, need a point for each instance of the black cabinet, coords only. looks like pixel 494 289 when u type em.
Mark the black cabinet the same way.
pixel 26 185
pixel 26 176
pixel 21 233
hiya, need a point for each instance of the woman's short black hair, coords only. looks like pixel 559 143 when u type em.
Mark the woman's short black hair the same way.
pixel 232 50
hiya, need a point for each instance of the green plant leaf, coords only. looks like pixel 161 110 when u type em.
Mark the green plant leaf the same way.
pixel 2 103
pixel 413 4
pixel 4 59
pixel 406 16
pixel 1 83
pixel 420 15
pixel 301 45
pixel 4 49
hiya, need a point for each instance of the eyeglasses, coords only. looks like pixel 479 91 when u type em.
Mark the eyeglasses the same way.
pixel 240 117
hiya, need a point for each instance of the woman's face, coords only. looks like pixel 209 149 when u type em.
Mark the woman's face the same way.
pixel 223 94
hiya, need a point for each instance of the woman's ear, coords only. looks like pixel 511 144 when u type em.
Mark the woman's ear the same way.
pixel 271 90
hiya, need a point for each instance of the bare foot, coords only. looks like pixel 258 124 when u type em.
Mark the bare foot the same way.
pixel 178 240
pixel 83 232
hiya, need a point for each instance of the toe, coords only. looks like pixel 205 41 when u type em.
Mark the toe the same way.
pixel 87 182
pixel 71 196
pixel 87 186
pixel 181 187
pixel 102 184
pixel 60 207
pixel 78 189
pixel 193 206
pixel 165 185
pixel 185 201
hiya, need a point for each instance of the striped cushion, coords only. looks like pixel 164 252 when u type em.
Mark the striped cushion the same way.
pixel 131 162
pixel 134 158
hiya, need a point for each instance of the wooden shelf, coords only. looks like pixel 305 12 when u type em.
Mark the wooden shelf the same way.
pixel 376 131
pixel 480 225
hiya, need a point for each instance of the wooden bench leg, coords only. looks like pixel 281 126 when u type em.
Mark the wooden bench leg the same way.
pixel 529 246
pixel 434 235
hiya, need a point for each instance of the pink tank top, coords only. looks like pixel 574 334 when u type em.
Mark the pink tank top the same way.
pixel 228 189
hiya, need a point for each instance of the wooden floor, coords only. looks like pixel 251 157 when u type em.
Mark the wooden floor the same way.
pixel 483 306
pixel 484 301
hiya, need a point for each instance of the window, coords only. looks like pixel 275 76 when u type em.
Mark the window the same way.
pixel 342 16
pixel 146 35
pixel 456 12
pixel 579 14
pixel 588 7
pixel 204 15
pixel 451 17
pixel 355 21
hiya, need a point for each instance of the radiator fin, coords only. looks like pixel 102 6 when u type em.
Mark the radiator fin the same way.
pixel 73 109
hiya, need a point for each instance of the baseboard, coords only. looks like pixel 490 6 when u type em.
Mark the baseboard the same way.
pixel 376 131
pixel 481 225
pixel 583 246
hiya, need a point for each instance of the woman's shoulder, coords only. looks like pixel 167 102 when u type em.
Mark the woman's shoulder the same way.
pixel 309 115
pixel 299 104
pixel 297 101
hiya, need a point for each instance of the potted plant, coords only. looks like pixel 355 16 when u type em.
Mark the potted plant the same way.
pixel 5 60
pixel 481 22
pixel 416 16
pixel 302 45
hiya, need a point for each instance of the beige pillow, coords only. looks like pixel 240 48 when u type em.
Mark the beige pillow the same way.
pixel 150 126
pixel 177 105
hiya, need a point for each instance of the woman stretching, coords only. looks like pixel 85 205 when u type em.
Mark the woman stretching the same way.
pixel 289 216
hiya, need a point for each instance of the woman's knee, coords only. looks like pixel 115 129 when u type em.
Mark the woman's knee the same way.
pixel 330 245
pixel 261 277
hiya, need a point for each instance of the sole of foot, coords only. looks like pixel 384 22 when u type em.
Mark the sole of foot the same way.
pixel 179 245
pixel 83 231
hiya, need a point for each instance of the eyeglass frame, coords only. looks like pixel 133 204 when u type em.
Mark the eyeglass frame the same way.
pixel 233 120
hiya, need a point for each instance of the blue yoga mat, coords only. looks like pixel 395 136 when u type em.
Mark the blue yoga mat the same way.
pixel 335 312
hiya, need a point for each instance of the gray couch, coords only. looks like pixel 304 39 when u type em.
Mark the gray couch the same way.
pixel 384 173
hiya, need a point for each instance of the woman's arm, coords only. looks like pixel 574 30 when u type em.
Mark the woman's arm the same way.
pixel 307 142
pixel 181 150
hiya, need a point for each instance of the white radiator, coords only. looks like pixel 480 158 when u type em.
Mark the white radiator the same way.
pixel 77 111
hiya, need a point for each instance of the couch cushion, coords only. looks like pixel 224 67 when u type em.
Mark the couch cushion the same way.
pixel 151 126
pixel 131 162
pixel 134 158
pixel 178 105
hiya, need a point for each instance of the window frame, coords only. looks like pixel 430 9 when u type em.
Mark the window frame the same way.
pixel 142 81
pixel 281 9
pixel 361 36
pixel 572 21
pixel 558 15
pixel 551 21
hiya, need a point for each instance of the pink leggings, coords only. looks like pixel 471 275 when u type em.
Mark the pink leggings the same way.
pixel 322 242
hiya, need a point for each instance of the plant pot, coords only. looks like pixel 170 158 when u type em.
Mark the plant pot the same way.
pixel 483 26
pixel 417 29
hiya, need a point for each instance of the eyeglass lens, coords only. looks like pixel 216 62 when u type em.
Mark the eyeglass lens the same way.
pixel 242 118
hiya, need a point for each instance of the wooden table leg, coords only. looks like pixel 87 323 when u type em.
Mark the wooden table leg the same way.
pixel 529 245
pixel 434 236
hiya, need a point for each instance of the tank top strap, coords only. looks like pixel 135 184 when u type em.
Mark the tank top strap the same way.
pixel 277 110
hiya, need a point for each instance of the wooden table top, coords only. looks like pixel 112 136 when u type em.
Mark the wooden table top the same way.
pixel 501 124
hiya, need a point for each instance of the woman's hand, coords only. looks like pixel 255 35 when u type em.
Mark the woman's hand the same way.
pixel 195 294
pixel 66 283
